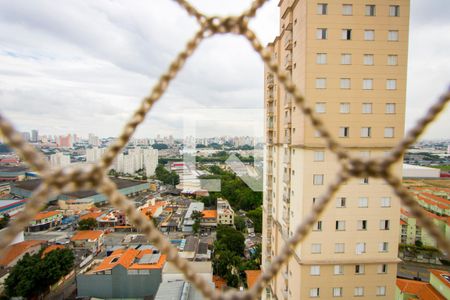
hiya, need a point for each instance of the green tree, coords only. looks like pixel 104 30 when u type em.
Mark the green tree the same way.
pixel 239 223
pixel 165 176
pixel 197 217
pixel 230 239
pixel 256 217
pixel 34 274
pixel 4 220
pixel 87 224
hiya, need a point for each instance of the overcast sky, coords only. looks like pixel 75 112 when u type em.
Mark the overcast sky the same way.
pixel 83 66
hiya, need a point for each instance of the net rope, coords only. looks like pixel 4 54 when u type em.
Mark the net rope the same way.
pixel 70 179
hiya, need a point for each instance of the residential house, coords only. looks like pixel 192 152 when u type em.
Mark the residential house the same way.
pixel 125 274
pixel 91 240
pixel 45 220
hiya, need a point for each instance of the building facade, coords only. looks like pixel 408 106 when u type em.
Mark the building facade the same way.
pixel 349 60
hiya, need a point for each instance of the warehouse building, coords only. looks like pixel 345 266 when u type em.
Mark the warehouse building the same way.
pixel 130 188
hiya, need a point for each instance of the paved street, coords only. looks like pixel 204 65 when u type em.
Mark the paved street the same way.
pixel 411 270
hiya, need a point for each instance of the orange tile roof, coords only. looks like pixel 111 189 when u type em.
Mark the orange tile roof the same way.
pixel 210 214
pixel 93 215
pixel 438 274
pixel 252 276
pixel 51 248
pixel 432 202
pixel 127 259
pixel 423 290
pixel 219 282
pixel 87 235
pixel 402 222
pixel 14 251
pixel 437 198
pixel 46 214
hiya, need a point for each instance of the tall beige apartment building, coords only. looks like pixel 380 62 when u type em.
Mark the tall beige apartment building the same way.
pixel 349 59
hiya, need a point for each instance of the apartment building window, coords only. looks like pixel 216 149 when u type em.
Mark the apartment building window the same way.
pixel 339 248
pixel 346 34
pixel 393 35
pixel 321 58
pixel 389 132
pixel 364 154
pixel 347 9
pixel 344 132
pixel 383 247
pixel 394 10
pixel 368 59
pixel 367 108
pixel 364 180
pixel 390 108
pixel 322 8
pixel 317 133
pixel 392 60
pixel 381 291
pixel 366 132
pixel 321 83
pixel 359 269
pixel 321 107
pixel 346 59
pixel 344 107
pixel 314 271
pixel 318 179
pixel 338 269
pixel 360 248
pixel 337 292
pixel 345 83
pixel 384 224
pixel 369 35
pixel 391 84
pixel 370 10
pixel 363 202
pixel 317 226
pixel 340 202
pixel 359 291
pixel 314 292
pixel 321 33
pixel 340 225
pixel 319 155
pixel 316 248
pixel 362 225
pixel 382 269
pixel 385 202
pixel 367 84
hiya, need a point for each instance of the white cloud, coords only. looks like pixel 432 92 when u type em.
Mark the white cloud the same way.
pixel 83 66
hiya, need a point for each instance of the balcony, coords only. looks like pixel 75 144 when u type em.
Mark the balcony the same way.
pixel 288 40
pixel 287 101
pixel 269 170
pixel 288 62
pixel 287 138
pixel 269 79
pixel 269 185
pixel 285 294
pixel 270 110
pixel 287 157
pixel 287 120
pixel 270 96
pixel 287 177
pixel 286 198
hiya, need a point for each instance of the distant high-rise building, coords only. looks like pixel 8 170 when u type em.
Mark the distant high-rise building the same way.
pixel 65 141
pixel 94 154
pixel 150 157
pixel 93 140
pixel 59 160
pixel 26 136
pixel 34 135
pixel 349 60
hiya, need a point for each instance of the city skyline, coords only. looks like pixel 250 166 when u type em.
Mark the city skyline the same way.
pixel 58 71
